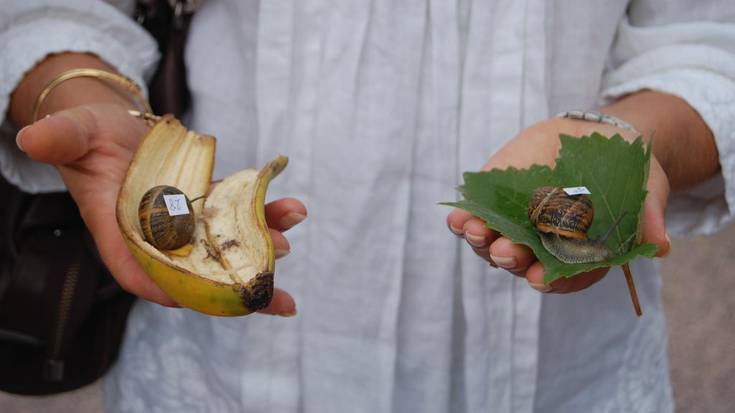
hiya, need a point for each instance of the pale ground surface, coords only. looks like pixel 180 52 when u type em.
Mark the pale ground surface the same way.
pixel 699 292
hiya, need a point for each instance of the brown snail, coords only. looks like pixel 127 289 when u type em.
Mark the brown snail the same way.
pixel 562 221
pixel 160 228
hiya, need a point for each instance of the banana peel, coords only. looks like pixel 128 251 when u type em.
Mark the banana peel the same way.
pixel 228 268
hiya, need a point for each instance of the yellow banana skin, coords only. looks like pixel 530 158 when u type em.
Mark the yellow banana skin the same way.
pixel 195 292
pixel 172 155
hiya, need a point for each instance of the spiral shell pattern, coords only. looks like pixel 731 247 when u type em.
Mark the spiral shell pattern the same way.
pixel 551 210
pixel 163 231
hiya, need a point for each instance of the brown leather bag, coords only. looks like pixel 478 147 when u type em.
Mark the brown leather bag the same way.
pixel 62 315
pixel 168 22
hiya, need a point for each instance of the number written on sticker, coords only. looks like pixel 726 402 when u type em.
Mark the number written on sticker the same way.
pixel 176 204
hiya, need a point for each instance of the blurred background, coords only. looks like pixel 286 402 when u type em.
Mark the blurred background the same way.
pixel 699 294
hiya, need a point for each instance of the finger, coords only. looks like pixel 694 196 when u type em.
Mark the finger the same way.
pixel 281 247
pixel 59 139
pixel 102 224
pixel 535 277
pixel 284 213
pixel 456 220
pixel 281 304
pixel 579 282
pixel 479 237
pixel 654 225
pixel 508 255
pixel 477 233
pixel 127 272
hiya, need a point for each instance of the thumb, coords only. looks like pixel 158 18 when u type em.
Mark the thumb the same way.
pixel 654 225
pixel 58 139
pixel 281 304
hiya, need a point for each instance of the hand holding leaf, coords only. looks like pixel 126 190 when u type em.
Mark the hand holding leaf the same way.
pixel 615 172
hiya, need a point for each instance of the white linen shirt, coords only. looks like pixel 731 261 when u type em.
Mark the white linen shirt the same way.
pixel 381 105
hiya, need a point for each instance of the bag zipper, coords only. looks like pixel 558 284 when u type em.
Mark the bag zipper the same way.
pixel 54 366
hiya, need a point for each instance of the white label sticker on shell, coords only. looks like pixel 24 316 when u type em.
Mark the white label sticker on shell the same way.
pixel 577 190
pixel 176 204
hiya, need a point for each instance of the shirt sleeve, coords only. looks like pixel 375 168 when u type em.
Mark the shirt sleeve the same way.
pixel 688 51
pixel 33 29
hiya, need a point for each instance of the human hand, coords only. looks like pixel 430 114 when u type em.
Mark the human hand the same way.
pixel 92 146
pixel 540 144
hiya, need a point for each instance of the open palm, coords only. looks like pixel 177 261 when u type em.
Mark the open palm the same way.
pixel 540 144
pixel 92 146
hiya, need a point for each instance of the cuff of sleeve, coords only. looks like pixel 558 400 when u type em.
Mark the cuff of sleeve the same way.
pixel 100 30
pixel 74 26
pixel 710 206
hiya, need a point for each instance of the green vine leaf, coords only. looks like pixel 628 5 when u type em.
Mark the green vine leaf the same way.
pixel 615 172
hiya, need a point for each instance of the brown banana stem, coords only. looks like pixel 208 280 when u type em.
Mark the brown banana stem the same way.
pixel 632 290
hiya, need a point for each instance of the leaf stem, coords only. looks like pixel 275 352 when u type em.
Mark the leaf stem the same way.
pixel 632 290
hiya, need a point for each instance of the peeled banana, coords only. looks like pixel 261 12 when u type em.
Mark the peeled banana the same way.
pixel 227 269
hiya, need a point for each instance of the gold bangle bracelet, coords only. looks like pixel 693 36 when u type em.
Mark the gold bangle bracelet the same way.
pixel 128 84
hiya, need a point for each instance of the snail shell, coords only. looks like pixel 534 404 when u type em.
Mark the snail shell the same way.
pixel 562 222
pixel 160 229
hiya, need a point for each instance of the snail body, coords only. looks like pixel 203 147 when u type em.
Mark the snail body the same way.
pixel 562 222
pixel 160 228
pixel 575 251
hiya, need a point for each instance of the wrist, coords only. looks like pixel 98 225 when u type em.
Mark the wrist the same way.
pixel 70 93
pixel 598 117
pixel 682 142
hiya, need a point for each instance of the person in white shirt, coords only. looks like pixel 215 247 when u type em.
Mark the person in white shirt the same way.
pixel 381 106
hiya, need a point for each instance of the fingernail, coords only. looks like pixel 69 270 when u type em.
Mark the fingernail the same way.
pixel 19 138
pixel 291 219
pixel 456 231
pixel 508 263
pixel 477 241
pixel 291 313
pixel 281 253
pixel 541 287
